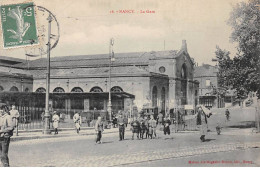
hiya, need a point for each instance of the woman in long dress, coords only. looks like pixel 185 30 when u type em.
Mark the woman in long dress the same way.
pixel 55 120
pixel 77 121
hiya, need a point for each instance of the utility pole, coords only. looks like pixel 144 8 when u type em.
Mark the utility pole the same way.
pixel 111 53
pixel 47 129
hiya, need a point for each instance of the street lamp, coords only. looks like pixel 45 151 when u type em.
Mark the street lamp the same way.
pixel 111 58
pixel 47 129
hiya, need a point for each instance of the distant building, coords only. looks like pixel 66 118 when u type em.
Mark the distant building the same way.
pixel 207 76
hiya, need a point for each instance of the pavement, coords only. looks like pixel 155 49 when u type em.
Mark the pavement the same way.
pixel 71 150
pixel 234 147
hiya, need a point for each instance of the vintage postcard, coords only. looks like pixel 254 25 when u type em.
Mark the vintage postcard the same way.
pixel 140 83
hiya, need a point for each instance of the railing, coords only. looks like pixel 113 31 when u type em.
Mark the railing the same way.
pixel 32 117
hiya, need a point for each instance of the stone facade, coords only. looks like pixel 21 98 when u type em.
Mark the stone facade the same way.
pixel 162 79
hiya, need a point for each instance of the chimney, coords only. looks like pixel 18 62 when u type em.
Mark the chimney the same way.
pixel 184 46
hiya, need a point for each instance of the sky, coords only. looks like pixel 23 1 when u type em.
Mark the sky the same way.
pixel 86 27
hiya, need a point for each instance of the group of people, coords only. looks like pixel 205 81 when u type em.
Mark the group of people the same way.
pixel 145 126
pixel 8 122
pixel 56 119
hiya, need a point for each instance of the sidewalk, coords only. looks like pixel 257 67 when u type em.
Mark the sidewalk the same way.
pixel 64 132
pixel 68 132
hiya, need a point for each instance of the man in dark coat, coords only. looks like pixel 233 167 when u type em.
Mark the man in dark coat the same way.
pixel 202 122
pixel 121 126
pixel 135 128
pixel 6 131
pixel 166 126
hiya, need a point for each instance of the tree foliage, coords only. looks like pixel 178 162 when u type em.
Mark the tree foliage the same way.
pixel 243 71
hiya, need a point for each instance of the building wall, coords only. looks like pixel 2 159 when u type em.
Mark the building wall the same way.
pixel 173 67
pixel 159 83
pixel 138 86
pixel 183 61
pixel 208 73
pixel 7 82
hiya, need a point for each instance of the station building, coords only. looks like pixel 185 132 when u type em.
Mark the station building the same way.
pixel 158 79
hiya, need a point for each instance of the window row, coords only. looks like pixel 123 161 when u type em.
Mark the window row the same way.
pixel 96 89
pixel 13 89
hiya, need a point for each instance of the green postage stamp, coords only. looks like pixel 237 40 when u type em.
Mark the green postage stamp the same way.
pixel 18 25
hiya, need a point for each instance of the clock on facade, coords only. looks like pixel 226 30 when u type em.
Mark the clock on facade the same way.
pixel 162 69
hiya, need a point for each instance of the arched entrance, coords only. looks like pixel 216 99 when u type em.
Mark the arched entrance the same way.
pixel 40 90
pixel 77 103
pixel 154 97
pixel 117 104
pixel 96 89
pixel 58 90
pixel 96 103
pixel 77 90
pixel 14 89
pixel 58 101
pixel 163 99
pixel 116 89
pixel 183 94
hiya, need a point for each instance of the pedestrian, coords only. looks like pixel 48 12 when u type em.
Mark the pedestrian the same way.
pixel 121 126
pixel 202 122
pixel 125 120
pixel 55 119
pixel 152 127
pixel 77 121
pixel 6 131
pixel 114 121
pixel 15 117
pixel 135 125
pixel 160 119
pixel 166 126
pixel 218 129
pixel 99 127
pixel 227 113
pixel 146 126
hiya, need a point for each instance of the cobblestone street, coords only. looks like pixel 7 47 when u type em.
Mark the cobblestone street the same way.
pixel 81 150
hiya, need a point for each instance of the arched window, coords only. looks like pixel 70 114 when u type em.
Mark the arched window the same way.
pixel 27 89
pixel 96 89
pixel 183 85
pixel 1 88
pixel 154 97
pixel 77 90
pixel 116 89
pixel 184 72
pixel 163 98
pixel 58 90
pixel 41 90
pixel 14 89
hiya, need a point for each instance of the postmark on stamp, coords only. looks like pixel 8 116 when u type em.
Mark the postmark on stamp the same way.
pixel 18 25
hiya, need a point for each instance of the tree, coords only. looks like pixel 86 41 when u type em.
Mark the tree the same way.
pixel 243 71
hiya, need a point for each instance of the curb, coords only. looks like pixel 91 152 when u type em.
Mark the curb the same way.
pixel 53 136
pixel 60 130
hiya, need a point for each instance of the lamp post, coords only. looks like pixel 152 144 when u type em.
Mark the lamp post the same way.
pixel 47 129
pixel 111 53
